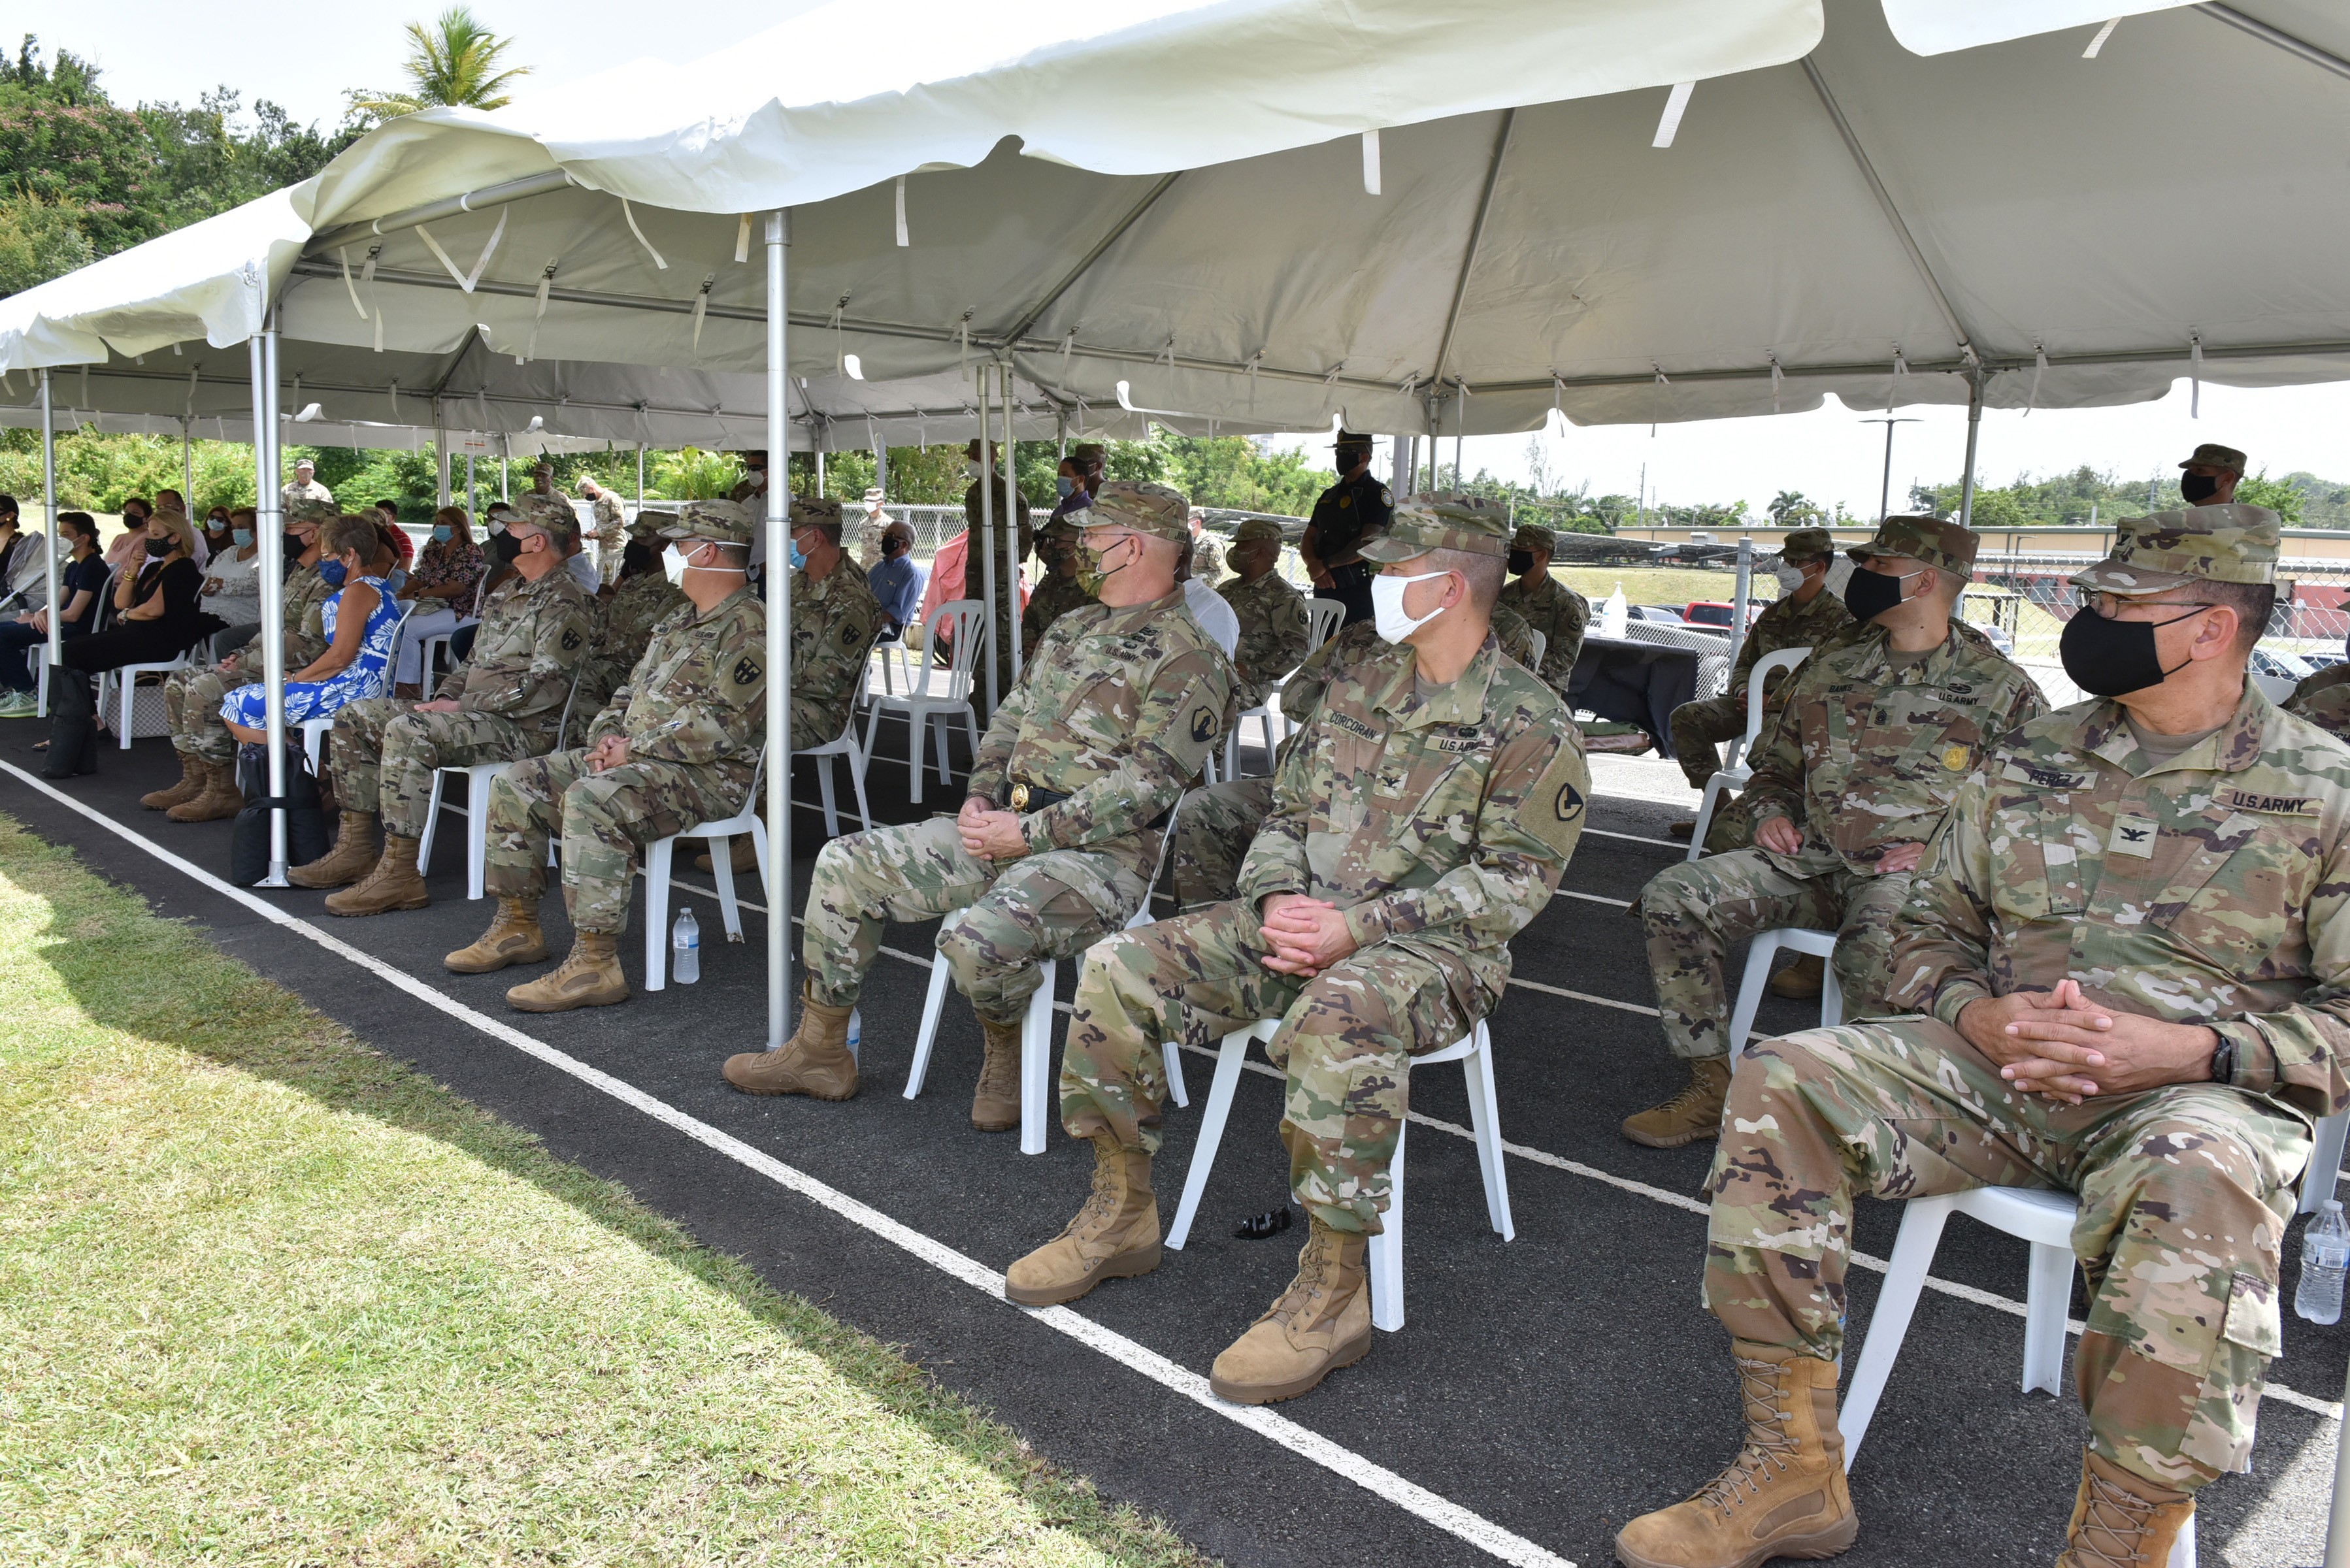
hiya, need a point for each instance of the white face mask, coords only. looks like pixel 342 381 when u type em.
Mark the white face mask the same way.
pixel 686 553
pixel 970 470
pixel 1387 605
pixel 1790 578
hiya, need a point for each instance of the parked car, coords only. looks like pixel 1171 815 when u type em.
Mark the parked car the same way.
pixel 1658 614
pixel 2276 661
pixel 1716 612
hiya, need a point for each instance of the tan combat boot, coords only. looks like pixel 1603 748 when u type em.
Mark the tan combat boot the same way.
pixel 218 800
pixel 392 885
pixel 191 784
pixel 814 1061
pixel 996 1103
pixel 1783 1496
pixel 1693 1113
pixel 514 936
pixel 1322 1321
pixel 2122 1520
pixel 1114 1237
pixel 352 857
pixel 746 855
pixel 1802 980
pixel 590 977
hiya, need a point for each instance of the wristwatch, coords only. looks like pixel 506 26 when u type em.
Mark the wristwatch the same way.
pixel 2223 1062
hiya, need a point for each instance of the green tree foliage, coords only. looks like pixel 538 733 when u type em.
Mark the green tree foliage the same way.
pixel 2074 499
pixel 39 240
pixel 453 62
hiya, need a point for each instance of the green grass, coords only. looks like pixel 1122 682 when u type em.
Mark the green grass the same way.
pixel 268 1297
pixel 1670 585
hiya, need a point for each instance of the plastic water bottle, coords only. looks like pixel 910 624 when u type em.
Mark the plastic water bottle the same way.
pixel 1614 614
pixel 2324 1256
pixel 856 1030
pixel 685 949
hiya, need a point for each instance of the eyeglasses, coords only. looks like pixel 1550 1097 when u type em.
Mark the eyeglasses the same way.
pixel 2106 604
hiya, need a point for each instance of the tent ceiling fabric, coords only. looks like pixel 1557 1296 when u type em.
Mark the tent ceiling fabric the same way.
pixel 1762 262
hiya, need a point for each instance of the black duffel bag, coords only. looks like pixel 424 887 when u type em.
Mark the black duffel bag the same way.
pixel 306 824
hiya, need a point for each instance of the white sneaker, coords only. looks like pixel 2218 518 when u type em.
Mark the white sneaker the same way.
pixel 18 705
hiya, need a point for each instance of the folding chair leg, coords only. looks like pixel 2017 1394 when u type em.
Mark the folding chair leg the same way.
pixel 857 779
pixel 657 864
pixel 946 774
pixel 759 853
pixel 477 832
pixel 1831 998
pixel 1385 1248
pixel 1913 1254
pixel 1485 1121
pixel 1211 1133
pixel 1037 1062
pixel 721 872
pixel 126 687
pixel 1759 954
pixel 933 1004
pixel 1713 789
pixel 2045 1299
pixel 432 824
pixel 824 791
pixel 917 720
pixel 1172 1052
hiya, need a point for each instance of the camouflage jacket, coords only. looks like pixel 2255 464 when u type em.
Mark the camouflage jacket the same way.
pixel 1511 631
pixel 699 696
pixel 1117 712
pixel 1207 560
pixel 1273 633
pixel 2324 699
pixel 1560 614
pixel 1441 821
pixel 532 638
pixel 609 523
pixel 1055 597
pixel 2202 891
pixel 1862 760
pixel 290 493
pixel 636 606
pixel 834 623
pixel 1784 625
pixel 303 604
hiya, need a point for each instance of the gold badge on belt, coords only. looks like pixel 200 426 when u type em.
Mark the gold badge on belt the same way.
pixel 1020 797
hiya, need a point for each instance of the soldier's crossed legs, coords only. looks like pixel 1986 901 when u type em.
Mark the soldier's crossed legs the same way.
pixel 1697 911
pixel 2184 1191
pixel 385 754
pixel 1698 727
pixel 1345 1044
pixel 192 708
pixel 1052 905
pixel 606 820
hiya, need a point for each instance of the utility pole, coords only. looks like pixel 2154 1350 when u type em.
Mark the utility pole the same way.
pixel 1885 491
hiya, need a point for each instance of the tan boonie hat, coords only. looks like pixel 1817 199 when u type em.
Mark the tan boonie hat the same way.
pixel 1255 528
pixel 1807 544
pixel 646 526
pixel 551 513
pixel 821 509
pixel 1137 504
pixel 1534 537
pixel 2212 454
pixel 2236 543
pixel 721 522
pixel 1440 520
pixel 1936 541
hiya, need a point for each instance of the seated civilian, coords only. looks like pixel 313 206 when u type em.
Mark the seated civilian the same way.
pixel 79 583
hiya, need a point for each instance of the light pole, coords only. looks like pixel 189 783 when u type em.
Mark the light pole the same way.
pixel 1885 491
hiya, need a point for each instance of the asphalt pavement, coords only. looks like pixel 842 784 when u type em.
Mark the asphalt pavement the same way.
pixel 1543 1389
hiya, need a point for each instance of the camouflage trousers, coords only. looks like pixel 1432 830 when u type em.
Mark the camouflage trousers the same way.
pixel 2184 1194
pixel 605 819
pixel 1696 911
pixel 1699 729
pixel 192 707
pixel 1213 828
pixel 385 754
pixel 1343 1047
pixel 1050 905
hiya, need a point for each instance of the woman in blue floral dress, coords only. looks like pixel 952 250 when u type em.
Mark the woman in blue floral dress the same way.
pixel 359 623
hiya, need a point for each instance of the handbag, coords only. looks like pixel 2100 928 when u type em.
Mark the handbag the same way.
pixel 306 822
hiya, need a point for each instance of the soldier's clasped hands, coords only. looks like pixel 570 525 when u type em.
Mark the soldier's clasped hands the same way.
pixel 2060 1045
pixel 990 834
pixel 1307 935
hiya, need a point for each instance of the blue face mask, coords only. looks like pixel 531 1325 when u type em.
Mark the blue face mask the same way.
pixel 799 556
pixel 331 572
pixel 440 533
pixel 242 536
pixel 1065 484
pixel 395 579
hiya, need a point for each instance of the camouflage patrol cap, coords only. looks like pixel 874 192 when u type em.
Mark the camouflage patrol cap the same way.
pixel 823 511
pixel 309 512
pixel 2232 543
pixel 2212 454
pixel 1440 520
pixel 1088 454
pixel 1255 528
pixel 721 522
pixel 1534 537
pixel 1807 544
pixel 1144 507
pixel 646 526
pixel 1061 529
pixel 551 513
pixel 1936 541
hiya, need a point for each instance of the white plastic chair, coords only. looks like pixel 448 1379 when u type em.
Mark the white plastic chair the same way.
pixel 1759 954
pixel 661 852
pixel 1735 771
pixel 1323 619
pixel 1474 1051
pixel 126 684
pixel 921 707
pixel 845 747
pixel 1542 646
pixel 315 731
pixel 476 809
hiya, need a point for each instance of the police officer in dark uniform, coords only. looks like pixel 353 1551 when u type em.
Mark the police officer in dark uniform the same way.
pixel 1349 512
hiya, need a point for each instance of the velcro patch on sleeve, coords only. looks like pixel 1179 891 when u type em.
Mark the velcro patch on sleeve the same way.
pixel 1555 808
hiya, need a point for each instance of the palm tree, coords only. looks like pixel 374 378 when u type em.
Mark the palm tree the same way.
pixel 455 61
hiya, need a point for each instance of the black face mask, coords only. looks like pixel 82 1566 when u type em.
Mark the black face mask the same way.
pixel 2114 657
pixel 637 559
pixel 292 545
pixel 2197 488
pixel 1348 456
pixel 503 548
pixel 1520 562
pixel 1868 595
pixel 159 548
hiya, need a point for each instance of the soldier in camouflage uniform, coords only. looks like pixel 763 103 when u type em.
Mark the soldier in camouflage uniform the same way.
pixel 639 601
pixel 502 704
pixel 1805 615
pixel 207 789
pixel 610 528
pixel 1207 555
pixel 1125 701
pixel 1877 731
pixel 306 491
pixel 1060 592
pixel 1549 606
pixel 1271 614
pixel 2165 1069
pixel 676 745
pixel 2325 704
pixel 1419 822
pixel 835 619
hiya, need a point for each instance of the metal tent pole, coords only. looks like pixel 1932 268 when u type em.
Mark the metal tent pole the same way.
pixel 187 469
pixel 640 476
pixel 986 543
pixel 49 507
pixel 1974 428
pixel 818 434
pixel 1012 518
pixel 441 461
pixel 779 643
pixel 271 525
pixel 1745 587
pixel 469 482
pixel 505 468
pixel 882 465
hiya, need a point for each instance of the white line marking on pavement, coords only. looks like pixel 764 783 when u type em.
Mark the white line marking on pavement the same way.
pixel 1376 1479
pixel 1637 837
pixel 1595 899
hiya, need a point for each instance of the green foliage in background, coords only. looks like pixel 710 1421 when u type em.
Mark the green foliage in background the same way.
pixel 2073 499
